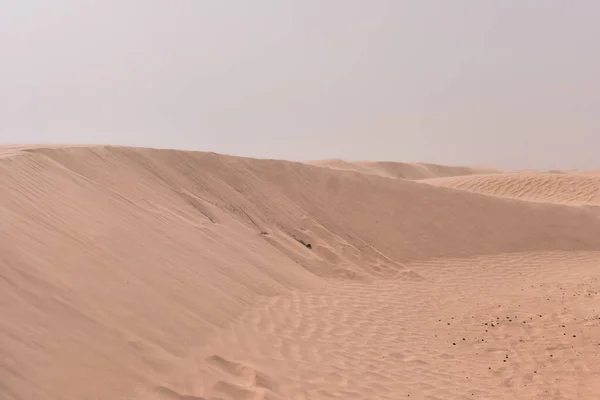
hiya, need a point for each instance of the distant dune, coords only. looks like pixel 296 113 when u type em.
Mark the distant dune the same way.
pixel 135 273
pixel 593 172
pixel 543 187
pixel 413 171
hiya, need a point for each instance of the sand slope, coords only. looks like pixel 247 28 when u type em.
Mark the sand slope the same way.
pixel 158 274
pixel 541 187
pixel 412 171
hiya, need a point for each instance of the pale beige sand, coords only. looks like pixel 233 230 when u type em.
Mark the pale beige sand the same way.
pixel 594 172
pixel 157 274
pixel 572 188
pixel 412 171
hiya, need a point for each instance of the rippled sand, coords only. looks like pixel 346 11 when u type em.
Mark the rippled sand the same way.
pixel 133 273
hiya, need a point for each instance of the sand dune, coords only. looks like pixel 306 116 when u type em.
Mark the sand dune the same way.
pixel 132 273
pixel 542 187
pixel 587 172
pixel 412 171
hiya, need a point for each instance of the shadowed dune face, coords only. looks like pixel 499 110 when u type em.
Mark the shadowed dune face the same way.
pixel 133 273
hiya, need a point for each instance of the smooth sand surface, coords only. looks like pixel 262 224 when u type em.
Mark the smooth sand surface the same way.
pixel 144 274
pixel 412 171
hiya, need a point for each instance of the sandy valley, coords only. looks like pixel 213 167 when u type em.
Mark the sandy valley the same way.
pixel 145 274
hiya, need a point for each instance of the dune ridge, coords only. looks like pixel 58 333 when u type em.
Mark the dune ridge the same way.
pixel 136 273
pixel 411 171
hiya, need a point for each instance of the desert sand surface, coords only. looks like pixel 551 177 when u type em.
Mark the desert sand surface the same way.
pixel 577 188
pixel 146 274
pixel 412 171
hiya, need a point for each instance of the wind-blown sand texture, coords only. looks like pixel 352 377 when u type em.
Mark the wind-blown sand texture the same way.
pixel 543 187
pixel 144 274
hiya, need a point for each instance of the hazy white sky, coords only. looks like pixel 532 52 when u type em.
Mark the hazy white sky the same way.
pixel 509 83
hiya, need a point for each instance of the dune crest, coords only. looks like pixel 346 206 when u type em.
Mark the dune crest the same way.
pixel 411 171
pixel 135 273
